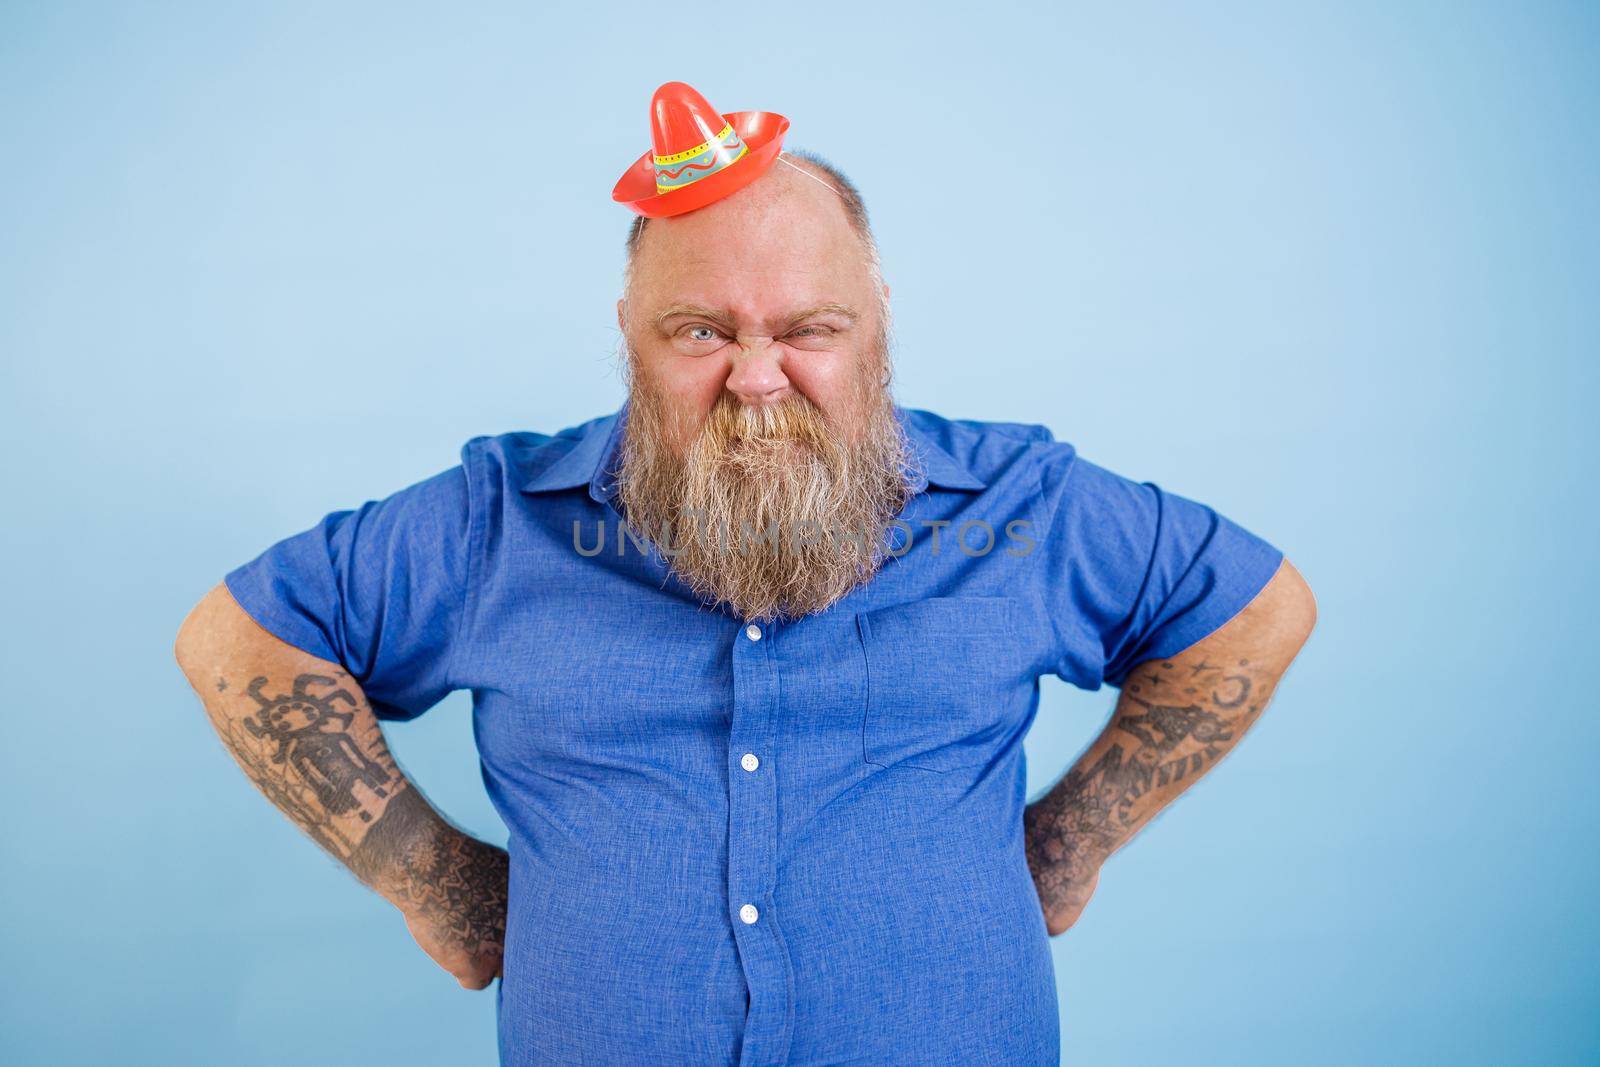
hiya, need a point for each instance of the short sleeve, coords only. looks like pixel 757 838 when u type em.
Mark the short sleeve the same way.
pixel 1135 572
pixel 380 589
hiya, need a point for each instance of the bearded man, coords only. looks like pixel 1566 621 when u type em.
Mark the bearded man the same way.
pixel 752 660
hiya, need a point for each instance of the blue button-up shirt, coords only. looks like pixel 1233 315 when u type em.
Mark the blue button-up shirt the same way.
pixel 753 843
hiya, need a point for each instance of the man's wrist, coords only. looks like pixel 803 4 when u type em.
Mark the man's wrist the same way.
pixel 397 852
pixel 1059 838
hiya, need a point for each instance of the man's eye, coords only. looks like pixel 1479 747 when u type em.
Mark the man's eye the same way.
pixel 702 333
pixel 811 331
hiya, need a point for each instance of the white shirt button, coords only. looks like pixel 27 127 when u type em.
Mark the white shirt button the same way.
pixel 753 632
pixel 749 914
pixel 749 762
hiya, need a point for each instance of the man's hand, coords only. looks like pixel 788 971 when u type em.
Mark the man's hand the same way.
pixel 462 924
pixel 1175 720
pixel 450 886
pixel 1064 866
pixel 1065 883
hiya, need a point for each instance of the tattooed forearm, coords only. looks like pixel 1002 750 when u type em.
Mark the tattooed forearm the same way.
pixel 314 749
pixel 295 800
pixel 1175 720
pixel 328 769
pixel 1169 743
pixel 1172 723
pixel 302 731
pixel 430 869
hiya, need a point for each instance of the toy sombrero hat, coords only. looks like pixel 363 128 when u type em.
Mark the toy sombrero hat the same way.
pixel 699 154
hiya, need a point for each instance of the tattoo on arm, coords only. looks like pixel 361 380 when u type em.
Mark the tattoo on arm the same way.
pixel 1172 724
pixel 431 869
pixel 301 747
pixel 317 752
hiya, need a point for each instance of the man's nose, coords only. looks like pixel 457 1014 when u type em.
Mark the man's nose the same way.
pixel 757 376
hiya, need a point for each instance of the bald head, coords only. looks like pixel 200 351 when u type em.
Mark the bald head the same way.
pixel 830 190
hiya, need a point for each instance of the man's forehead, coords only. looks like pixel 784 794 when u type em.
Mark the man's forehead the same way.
pixel 783 209
pixel 753 299
pixel 764 283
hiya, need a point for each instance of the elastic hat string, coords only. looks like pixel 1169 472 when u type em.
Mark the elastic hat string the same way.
pixel 808 174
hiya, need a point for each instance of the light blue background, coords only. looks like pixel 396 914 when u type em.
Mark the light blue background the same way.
pixel 1331 270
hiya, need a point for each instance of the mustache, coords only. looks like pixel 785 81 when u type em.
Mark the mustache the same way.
pixel 781 434
pixel 790 471
pixel 789 418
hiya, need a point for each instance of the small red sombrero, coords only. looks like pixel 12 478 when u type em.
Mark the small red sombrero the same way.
pixel 699 155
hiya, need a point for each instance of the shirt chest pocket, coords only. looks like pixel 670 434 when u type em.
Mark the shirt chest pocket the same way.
pixel 948 683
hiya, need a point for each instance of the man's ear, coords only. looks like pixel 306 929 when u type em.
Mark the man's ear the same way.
pixel 886 290
pixel 620 325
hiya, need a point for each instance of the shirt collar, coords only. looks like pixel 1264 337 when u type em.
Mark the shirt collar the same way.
pixel 593 460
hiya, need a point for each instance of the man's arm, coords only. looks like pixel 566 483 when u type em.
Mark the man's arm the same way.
pixel 302 730
pixel 1175 719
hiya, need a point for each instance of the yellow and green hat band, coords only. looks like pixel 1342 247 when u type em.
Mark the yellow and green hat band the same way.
pixel 686 168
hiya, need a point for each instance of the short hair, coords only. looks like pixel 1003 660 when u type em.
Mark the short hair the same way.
pixel 855 209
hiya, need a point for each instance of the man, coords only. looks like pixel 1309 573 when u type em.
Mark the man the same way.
pixel 759 748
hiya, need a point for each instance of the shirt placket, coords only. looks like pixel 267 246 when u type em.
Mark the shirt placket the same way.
pixel 752 846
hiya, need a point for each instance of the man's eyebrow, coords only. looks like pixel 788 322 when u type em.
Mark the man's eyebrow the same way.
pixel 693 310
pixel 825 309
pixel 721 314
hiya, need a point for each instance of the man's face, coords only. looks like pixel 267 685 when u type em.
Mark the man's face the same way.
pixel 761 432
pixel 755 298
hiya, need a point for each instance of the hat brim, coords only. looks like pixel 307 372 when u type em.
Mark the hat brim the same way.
pixel 762 131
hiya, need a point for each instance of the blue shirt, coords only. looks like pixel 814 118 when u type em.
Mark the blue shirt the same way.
pixel 746 844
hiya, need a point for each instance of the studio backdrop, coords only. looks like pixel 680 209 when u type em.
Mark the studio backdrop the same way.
pixel 1330 268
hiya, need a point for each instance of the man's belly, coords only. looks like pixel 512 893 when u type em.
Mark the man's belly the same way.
pixel 926 946
pixel 935 954
pixel 595 976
